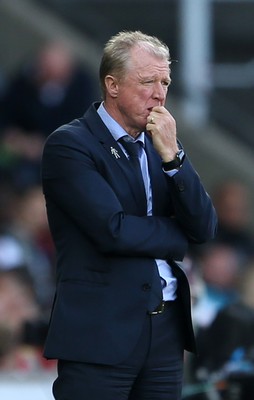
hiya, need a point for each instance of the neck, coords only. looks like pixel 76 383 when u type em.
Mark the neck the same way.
pixel 114 113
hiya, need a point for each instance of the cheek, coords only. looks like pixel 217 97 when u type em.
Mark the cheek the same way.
pixel 132 104
pixel 139 93
pixel 126 105
pixel 141 99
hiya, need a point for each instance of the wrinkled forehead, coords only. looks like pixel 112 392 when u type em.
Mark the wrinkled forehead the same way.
pixel 145 62
pixel 146 49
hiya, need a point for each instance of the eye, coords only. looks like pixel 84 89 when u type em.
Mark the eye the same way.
pixel 148 82
pixel 165 83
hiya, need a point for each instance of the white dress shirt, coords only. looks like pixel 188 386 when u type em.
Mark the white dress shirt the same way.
pixel 169 282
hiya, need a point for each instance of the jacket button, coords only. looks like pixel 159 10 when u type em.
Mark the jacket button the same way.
pixel 181 186
pixel 146 287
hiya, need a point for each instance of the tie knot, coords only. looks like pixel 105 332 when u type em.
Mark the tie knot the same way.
pixel 132 148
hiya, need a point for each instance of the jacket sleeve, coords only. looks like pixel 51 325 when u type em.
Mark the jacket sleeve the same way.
pixel 72 183
pixel 193 207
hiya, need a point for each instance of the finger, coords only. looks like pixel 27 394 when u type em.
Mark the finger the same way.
pixel 159 109
pixel 149 127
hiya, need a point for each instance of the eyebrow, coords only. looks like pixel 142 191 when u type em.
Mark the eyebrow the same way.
pixel 145 77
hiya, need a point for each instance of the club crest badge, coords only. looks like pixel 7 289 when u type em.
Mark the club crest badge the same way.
pixel 114 152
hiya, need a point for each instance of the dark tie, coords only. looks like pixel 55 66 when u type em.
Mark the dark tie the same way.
pixel 133 149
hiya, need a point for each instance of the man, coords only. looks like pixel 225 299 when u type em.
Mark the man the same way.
pixel 121 317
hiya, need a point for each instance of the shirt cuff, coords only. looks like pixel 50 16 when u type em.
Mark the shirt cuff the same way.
pixel 171 173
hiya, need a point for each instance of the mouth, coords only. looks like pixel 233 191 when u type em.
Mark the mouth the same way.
pixel 155 105
pixel 149 110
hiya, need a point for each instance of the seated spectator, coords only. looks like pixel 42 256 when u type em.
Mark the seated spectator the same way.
pixel 24 239
pixel 226 347
pixel 220 268
pixel 47 92
pixel 17 306
pixel 232 202
pixel 22 330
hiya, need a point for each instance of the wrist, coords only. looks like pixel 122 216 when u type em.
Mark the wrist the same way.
pixel 174 163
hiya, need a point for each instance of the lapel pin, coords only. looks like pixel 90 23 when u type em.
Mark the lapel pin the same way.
pixel 114 152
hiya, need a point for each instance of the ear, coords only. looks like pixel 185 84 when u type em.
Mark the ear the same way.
pixel 111 84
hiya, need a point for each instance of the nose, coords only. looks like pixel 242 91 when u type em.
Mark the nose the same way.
pixel 160 92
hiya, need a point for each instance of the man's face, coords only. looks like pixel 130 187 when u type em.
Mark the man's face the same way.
pixel 144 86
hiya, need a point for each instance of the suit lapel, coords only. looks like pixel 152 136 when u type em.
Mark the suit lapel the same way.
pixel 97 127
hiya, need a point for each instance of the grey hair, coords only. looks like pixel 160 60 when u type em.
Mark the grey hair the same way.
pixel 116 53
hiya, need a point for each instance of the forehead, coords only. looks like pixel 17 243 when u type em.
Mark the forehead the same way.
pixel 144 63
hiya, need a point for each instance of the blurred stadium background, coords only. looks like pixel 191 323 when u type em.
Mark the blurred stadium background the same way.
pixel 212 40
pixel 211 43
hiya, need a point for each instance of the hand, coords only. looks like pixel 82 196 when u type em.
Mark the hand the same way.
pixel 162 128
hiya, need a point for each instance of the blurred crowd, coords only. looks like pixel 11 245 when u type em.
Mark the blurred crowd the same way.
pixel 222 283
pixel 49 90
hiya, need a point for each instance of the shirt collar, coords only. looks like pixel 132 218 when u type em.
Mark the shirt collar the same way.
pixel 115 129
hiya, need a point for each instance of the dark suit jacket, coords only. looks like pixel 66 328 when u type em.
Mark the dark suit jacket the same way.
pixel 105 245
